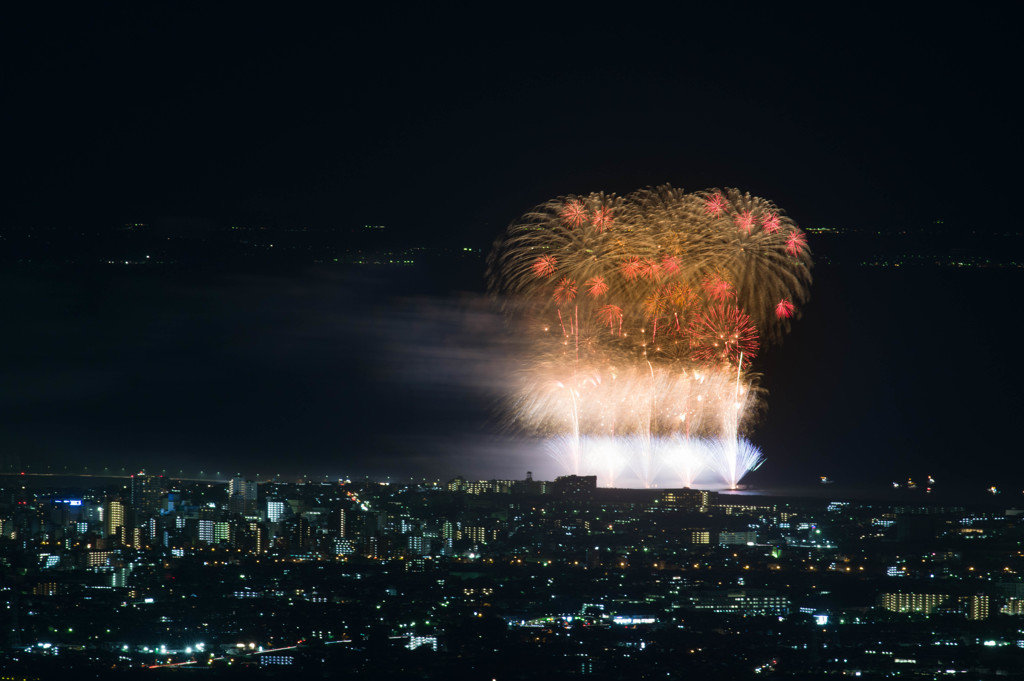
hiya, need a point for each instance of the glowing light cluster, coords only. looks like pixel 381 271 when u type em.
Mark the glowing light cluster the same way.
pixel 673 460
pixel 663 298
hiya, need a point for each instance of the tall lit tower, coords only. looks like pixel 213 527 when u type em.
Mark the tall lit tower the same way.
pixel 115 513
pixel 146 493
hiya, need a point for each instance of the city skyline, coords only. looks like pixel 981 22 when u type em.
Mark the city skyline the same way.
pixel 464 576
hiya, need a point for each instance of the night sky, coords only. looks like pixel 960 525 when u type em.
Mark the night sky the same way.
pixel 444 127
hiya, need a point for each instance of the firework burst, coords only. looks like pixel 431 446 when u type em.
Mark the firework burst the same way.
pixel 723 333
pixel 678 291
pixel 574 213
pixel 596 286
pixel 784 310
pixel 565 291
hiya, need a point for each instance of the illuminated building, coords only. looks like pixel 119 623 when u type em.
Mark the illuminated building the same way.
pixel 275 511
pixel 98 558
pixel 339 522
pixel 45 589
pixel 1013 606
pixel 114 515
pixel 419 545
pixel 451 531
pixel 576 486
pixel 242 496
pixel 475 534
pixel 689 499
pixel 743 602
pixel 922 603
pixel 257 536
pixel 978 609
pixel 737 538
pixel 146 491
pixel 417 641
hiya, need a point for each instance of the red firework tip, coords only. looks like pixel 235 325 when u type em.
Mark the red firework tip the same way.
pixel 574 213
pixel 722 334
pixel 610 315
pixel 650 269
pixel 785 309
pixel 631 268
pixel 795 243
pixel 602 218
pixel 718 288
pixel 770 223
pixel 714 205
pixel 544 266
pixel 565 290
pixel 596 286
pixel 670 264
pixel 745 221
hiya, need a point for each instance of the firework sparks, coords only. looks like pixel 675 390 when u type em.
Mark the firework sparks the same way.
pixel 745 221
pixel 544 266
pixel 565 291
pixel 670 264
pixel 722 334
pixel 632 267
pixel 715 205
pixel 796 242
pixel 718 288
pixel 610 316
pixel 575 213
pixel 602 218
pixel 596 286
pixel 688 287
pixel 785 309
pixel 650 269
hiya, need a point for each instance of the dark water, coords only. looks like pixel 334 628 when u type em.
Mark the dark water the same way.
pixel 891 374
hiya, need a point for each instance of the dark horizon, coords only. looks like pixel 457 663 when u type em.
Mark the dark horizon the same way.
pixel 450 120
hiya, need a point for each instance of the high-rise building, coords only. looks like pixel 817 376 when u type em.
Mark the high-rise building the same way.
pixel 257 537
pixel 474 533
pixel 242 495
pixel 114 517
pixel 275 511
pixel 146 491
pixel 978 607
pixel 339 522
